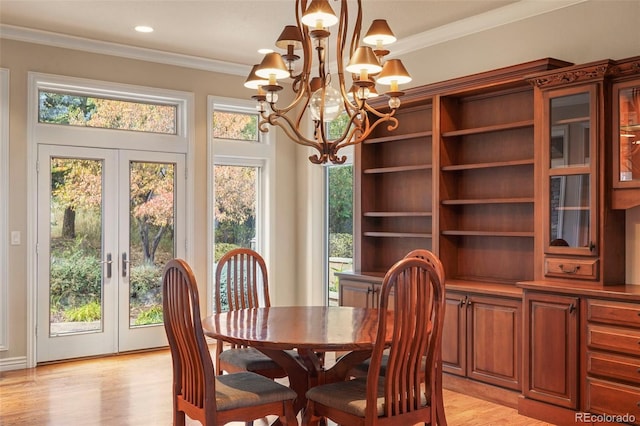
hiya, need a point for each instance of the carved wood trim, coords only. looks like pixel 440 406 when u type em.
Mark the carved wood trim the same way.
pixel 576 74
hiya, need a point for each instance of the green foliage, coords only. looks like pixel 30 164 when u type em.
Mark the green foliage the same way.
pixel 341 245
pixel 146 282
pixel 222 248
pixel 153 315
pixel 65 108
pixel 341 199
pixel 91 311
pixel 76 277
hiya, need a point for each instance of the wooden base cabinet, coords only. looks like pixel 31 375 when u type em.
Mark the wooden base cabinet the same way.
pixel 551 343
pixel 482 339
pixel 359 291
pixel 612 358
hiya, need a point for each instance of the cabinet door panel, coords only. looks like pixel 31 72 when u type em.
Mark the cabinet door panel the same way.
pixel 454 335
pixel 494 341
pixel 551 340
pixel 356 294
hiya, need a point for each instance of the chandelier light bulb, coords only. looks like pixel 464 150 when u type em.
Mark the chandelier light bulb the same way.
pixel 332 104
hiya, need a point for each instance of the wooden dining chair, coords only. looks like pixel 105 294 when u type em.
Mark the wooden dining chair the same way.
pixel 242 282
pixel 197 391
pixel 362 369
pixel 413 295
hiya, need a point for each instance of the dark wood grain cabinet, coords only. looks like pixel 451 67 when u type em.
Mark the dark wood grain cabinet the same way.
pixel 482 339
pixel 580 235
pixel 551 337
pixel 626 134
pixel 517 178
pixel 359 291
pixel 612 358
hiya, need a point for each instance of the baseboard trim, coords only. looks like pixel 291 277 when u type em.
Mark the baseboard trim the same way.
pixel 495 394
pixel 17 363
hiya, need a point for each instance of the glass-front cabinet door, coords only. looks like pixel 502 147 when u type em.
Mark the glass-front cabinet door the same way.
pixel 570 163
pixel 626 120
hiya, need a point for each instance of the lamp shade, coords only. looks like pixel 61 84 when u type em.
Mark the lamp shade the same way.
pixel 393 72
pixel 253 81
pixel 272 65
pixel 319 14
pixel 379 33
pixel 290 36
pixel 363 59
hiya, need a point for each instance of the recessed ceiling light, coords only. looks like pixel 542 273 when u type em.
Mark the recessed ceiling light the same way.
pixel 143 29
pixel 264 51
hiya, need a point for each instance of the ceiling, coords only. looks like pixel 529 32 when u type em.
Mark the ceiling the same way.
pixel 231 31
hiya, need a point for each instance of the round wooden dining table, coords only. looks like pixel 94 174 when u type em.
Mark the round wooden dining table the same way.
pixel 311 330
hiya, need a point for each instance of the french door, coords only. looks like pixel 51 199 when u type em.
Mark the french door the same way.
pixel 108 221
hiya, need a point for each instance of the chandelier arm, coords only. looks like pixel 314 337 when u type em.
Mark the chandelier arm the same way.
pixel 291 131
pixel 355 41
pixel 393 125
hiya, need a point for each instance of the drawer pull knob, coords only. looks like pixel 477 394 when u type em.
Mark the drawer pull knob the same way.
pixel 569 271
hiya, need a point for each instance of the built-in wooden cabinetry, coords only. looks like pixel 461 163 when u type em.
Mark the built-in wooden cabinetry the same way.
pixel 475 326
pixel 612 357
pixel 551 342
pixel 626 134
pixel 580 236
pixel 516 179
pixel 394 176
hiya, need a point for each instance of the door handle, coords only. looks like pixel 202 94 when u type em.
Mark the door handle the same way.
pixel 108 262
pixel 125 263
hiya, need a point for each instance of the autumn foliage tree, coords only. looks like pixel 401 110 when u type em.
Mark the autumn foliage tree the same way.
pixel 76 183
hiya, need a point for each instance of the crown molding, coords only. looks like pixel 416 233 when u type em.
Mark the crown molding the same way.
pixel 513 12
pixel 30 35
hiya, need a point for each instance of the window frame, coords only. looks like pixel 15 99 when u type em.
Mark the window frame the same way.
pixel 234 152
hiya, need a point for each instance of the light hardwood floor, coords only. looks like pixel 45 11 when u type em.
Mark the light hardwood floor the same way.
pixel 134 389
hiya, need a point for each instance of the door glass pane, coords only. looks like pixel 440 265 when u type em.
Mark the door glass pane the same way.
pixel 340 225
pixel 75 269
pixel 630 134
pixel 570 214
pixel 151 237
pixel 570 120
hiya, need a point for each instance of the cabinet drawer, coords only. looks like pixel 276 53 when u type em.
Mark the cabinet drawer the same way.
pixel 614 366
pixel 617 313
pixel 614 399
pixel 614 339
pixel 571 268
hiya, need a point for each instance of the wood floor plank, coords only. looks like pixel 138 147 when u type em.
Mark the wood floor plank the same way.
pixel 134 389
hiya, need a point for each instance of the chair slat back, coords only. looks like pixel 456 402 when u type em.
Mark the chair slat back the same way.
pixel 241 281
pixel 193 373
pixel 413 292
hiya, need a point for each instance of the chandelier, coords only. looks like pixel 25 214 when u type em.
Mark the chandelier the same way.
pixel 315 92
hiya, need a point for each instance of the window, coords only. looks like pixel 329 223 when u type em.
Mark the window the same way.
pixel 339 225
pixel 235 126
pixel 4 195
pixel 240 169
pixel 339 202
pixel 87 111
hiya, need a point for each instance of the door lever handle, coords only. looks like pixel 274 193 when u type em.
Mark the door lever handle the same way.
pixel 125 263
pixel 108 262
